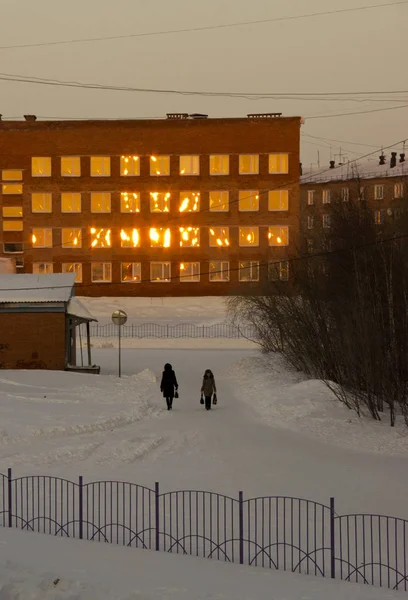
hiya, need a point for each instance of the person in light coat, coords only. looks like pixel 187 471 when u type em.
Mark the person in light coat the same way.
pixel 208 388
pixel 168 385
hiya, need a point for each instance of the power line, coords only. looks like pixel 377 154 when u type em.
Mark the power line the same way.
pixel 361 112
pixel 207 27
pixel 315 137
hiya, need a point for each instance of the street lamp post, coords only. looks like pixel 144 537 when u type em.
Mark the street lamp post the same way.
pixel 119 318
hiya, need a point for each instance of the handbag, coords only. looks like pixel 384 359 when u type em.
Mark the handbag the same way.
pixel 176 395
pixel 202 399
pixel 215 399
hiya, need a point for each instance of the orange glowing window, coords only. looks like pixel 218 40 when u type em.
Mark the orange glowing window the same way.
pixel 12 175
pixel 159 202
pixel 219 201
pixel 41 238
pixel 129 166
pixel 100 202
pixel 73 268
pixel 41 166
pixel 219 237
pixel 12 189
pixel 100 238
pixel 160 272
pixel 12 225
pixel 189 237
pixel 41 203
pixel 100 166
pixel 249 270
pixel 278 236
pixel 219 271
pixel 189 201
pixel 219 164
pixel 278 200
pixel 278 163
pixel 129 202
pixel 190 165
pixel 130 238
pixel 248 200
pixel 248 236
pixel 71 237
pixel 101 272
pixel 249 164
pixel 160 237
pixel 71 202
pixel 160 165
pixel 12 211
pixel 189 272
pixel 70 166
pixel 131 272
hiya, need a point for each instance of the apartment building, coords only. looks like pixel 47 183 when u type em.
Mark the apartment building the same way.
pixel 184 205
pixel 382 182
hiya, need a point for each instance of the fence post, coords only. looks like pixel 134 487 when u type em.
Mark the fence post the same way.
pixel 157 516
pixel 10 497
pixel 81 507
pixel 332 540
pixel 239 332
pixel 241 528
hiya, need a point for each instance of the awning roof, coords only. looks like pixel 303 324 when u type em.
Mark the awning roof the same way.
pixel 79 310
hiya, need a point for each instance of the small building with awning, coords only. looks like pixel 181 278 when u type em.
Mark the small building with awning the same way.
pixel 43 325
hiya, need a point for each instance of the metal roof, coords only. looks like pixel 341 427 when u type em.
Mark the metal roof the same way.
pixel 29 288
pixel 363 169
pixel 77 309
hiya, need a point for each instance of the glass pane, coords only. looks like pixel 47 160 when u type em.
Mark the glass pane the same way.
pixel 248 200
pixel 278 236
pixel 219 201
pixel 70 166
pixel 248 164
pixel 129 202
pixel 12 225
pixel 160 165
pixel 71 238
pixel 219 236
pixel 100 238
pixel 41 166
pixel 219 164
pixel 160 237
pixel 129 166
pixel 248 236
pixel 101 202
pixel 189 165
pixel 100 166
pixel 71 202
pixel 12 211
pixel 159 202
pixel 130 238
pixel 12 175
pixel 10 189
pixel 189 201
pixel 189 237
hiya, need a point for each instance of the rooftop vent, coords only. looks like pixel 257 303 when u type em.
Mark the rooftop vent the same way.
pixel 30 118
pixel 264 116
pixel 382 159
pixel 332 164
pixel 198 116
pixel 402 156
pixel 177 116
pixel 393 161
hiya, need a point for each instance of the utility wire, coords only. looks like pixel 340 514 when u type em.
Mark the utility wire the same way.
pixel 361 112
pixel 207 27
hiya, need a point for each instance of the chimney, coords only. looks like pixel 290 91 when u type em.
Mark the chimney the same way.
pixel 393 161
pixel 30 118
pixel 301 168
pixel 1 117
pixel 402 156
pixel 198 116
pixel 332 164
pixel 382 159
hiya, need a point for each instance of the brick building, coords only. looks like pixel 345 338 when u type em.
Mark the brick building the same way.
pixel 180 206
pixel 382 182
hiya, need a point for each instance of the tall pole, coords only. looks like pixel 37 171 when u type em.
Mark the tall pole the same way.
pixel 120 353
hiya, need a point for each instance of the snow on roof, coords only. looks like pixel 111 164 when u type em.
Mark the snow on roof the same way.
pixel 77 309
pixel 27 288
pixel 363 169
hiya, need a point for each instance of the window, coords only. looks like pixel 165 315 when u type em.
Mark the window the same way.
pixel 40 268
pixel 71 166
pixel 159 202
pixel 160 237
pixel 130 238
pixel 219 271
pixel 219 201
pixel 100 202
pixel 278 200
pixel 362 193
pixel 73 268
pixel 248 200
pixel 12 175
pixel 310 222
pixel 19 263
pixel 42 238
pixel 379 217
pixel 310 245
pixel 13 248
pixel 41 203
pixel 100 166
pixel 129 202
pixel 160 272
pixel 379 192
pixel 100 238
pixel 71 202
pixel 41 166
pixel 12 211
pixel 129 166
pixel 249 236
pixel 249 164
pixel 345 194
pixel 189 272
pixel 12 189
pixel 326 196
pixel 160 165
pixel 310 197
pixel 189 237
pixel 249 271
pixel 101 272
pixel 71 237
pixel 219 236
pixel 326 221
pixel 219 164
pixel 189 201
pixel 399 190
pixel 131 272
pixel 189 165
pixel 278 163
pixel 12 225
pixel 278 236
pixel 278 271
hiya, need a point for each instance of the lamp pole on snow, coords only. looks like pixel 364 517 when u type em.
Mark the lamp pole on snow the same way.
pixel 119 318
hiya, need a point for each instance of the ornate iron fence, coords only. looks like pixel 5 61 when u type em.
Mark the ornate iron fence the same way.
pixel 181 330
pixel 273 532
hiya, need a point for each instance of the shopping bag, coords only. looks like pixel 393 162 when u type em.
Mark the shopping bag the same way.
pixel 215 399
pixel 176 395
pixel 202 399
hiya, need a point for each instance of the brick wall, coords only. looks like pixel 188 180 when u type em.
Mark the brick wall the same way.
pixel 21 140
pixel 32 341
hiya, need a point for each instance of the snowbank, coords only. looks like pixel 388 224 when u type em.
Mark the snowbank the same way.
pixel 35 567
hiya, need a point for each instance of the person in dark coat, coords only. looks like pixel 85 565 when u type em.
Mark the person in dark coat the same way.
pixel 168 385
pixel 208 388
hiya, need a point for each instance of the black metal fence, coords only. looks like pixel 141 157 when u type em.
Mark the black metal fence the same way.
pixel 274 532
pixel 181 330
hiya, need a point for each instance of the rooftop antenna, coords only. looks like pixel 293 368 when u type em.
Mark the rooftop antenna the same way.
pixel 318 159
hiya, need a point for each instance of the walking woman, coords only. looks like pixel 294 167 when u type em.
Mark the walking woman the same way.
pixel 208 388
pixel 169 385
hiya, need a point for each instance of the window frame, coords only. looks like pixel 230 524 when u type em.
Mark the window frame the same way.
pixel 377 188
pixel 132 200
pixel 253 158
pixel 46 272
pixel 398 191
pixel 45 230
pixel 73 194
pixel 160 157
pixel 10 216
pixel 48 163
pixel 103 158
pixel 283 269
pixel 135 160
pixel 77 279
pixel 326 221
pixel 211 209
pixel 76 161
pixel 191 278
pixel 310 221
pixel 282 228
pixel 250 266
pixel 220 156
pixel 280 155
pixel 326 196
pixel 197 232
pixel 240 232
pixel 167 198
pixel 311 197
pixel 345 194
pixel 13 225
pixel 219 270
pixel 381 213
pixel 284 207
pixel 21 244
pixel 104 265
pixel 163 263
pixel 17 188
pixel 78 230
pixel 247 197
pixel 4 176
pixel 133 264
pixel 162 232
pixel 194 196
pixel 195 162
pixel 124 243
pixel 94 237
pixel 103 194
pixel 213 236
pixel 46 198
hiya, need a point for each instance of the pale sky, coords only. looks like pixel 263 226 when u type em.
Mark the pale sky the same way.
pixel 361 51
